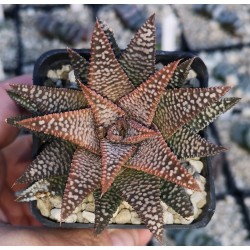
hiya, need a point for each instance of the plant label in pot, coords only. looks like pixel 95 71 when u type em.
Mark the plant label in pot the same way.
pixel 122 144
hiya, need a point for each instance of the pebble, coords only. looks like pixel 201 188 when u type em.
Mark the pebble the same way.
pixel 56 201
pixel 90 217
pixel 71 219
pixel 135 219
pixel 80 217
pixel 198 199
pixel 126 205
pixel 90 198
pixel 198 165
pixel 55 214
pixel 52 75
pixel 90 207
pixel 123 217
pixel 44 206
pixel 78 209
pixel 168 218
pixel 71 76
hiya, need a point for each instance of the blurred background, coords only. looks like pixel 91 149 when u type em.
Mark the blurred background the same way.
pixel 219 34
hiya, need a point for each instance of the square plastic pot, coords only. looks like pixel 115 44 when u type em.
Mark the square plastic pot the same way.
pixel 54 59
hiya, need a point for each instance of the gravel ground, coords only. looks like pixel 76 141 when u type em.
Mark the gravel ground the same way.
pixel 197 35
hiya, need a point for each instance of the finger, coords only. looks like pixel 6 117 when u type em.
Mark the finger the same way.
pixel 130 237
pixel 8 109
pixel 22 150
pixel 12 210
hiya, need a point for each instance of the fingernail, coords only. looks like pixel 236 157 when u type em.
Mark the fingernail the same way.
pixel 123 238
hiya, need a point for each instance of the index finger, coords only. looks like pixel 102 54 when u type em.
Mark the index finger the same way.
pixel 9 109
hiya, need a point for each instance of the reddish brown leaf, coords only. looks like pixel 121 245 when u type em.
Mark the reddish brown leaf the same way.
pixel 177 107
pixel 105 112
pixel 105 206
pixel 106 76
pixel 154 157
pixel 138 60
pixel 186 144
pixel 74 126
pixel 84 177
pixel 114 156
pixel 54 160
pixel 142 102
pixel 50 100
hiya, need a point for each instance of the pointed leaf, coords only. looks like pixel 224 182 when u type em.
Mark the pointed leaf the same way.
pixel 137 133
pixel 51 186
pixel 142 102
pixel 106 76
pixel 177 198
pixel 24 102
pixel 54 160
pixel 79 64
pixel 14 121
pixel 181 73
pixel 84 177
pixel 105 112
pixel 128 132
pixel 110 36
pixel 204 118
pixel 51 100
pixel 178 106
pixel 105 206
pixel 186 144
pixel 74 126
pixel 138 60
pixel 142 192
pixel 161 162
pixel 114 156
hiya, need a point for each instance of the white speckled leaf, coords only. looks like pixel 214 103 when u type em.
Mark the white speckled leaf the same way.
pixel 154 157
pixel 186 144
pixel 138 60
pixel 137 133
pixel 79 64
pixel 50 100
pixel 105 206
pixel 178 106
pixel 106 76
pixel 53 186
pixel 141 103
pixel 114 156
pixel 110 36
pixel 105 112
pixel 74 126
pixel 84 177
pixel 180 75
pixel 142 192
pixel 54 160
pixel 204 118
pixel 177 198
pixel 24 102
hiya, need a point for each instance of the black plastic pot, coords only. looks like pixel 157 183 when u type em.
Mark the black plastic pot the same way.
pixel 55 59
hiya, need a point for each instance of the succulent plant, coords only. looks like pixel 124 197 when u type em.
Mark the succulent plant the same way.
pixel 122 134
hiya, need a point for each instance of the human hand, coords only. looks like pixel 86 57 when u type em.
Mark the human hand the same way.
pixel 17 225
